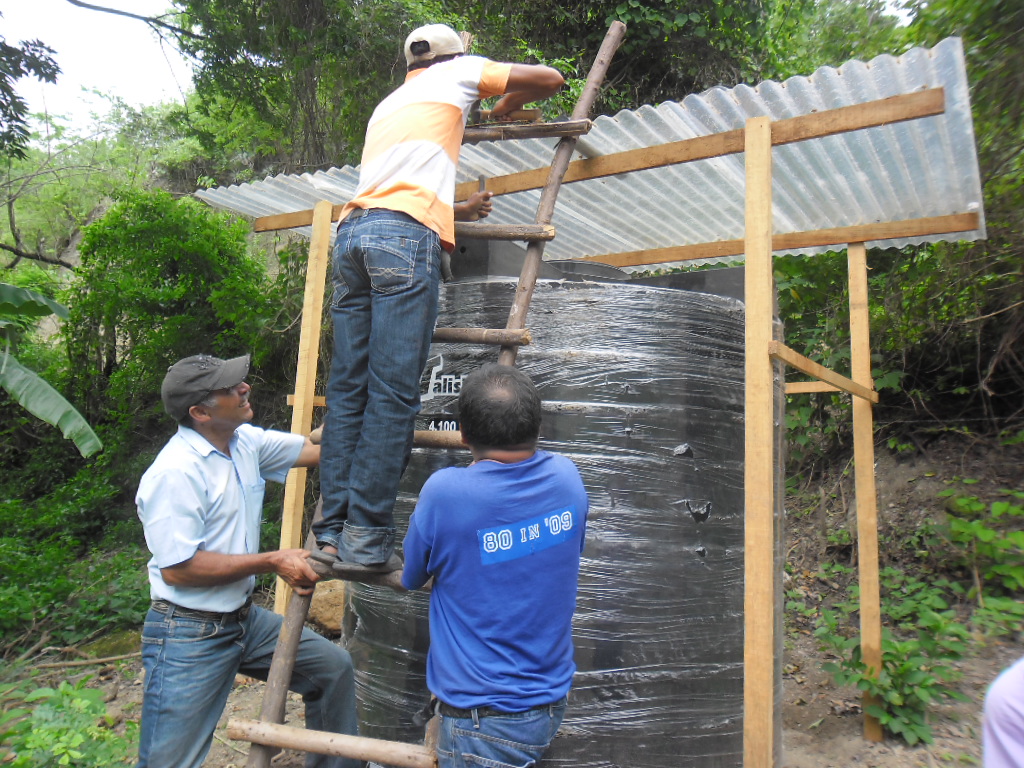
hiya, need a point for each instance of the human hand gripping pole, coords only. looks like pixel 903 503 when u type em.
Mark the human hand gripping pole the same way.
pixel 292 565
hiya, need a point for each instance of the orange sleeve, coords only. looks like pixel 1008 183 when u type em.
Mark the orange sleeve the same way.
pixel 494 79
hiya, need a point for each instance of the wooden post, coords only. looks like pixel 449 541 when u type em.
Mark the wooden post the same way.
pixel 758 471
pixel 864 478
pixel 546 207
pixel 305 381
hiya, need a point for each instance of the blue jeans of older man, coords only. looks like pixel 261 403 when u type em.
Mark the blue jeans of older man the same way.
pixel 190 669
pixel 516 740
pixel 386 271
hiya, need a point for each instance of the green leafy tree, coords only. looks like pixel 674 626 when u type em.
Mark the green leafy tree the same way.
pixel 160 279
pixel 288 86
pixel 992 333
pixel 17 61
pixel 671 48
pixel 807 34
pixel 65 175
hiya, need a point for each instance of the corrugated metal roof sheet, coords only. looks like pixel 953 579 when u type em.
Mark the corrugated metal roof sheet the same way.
pixel 917 168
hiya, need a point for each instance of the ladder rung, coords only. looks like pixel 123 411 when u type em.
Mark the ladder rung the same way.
pixel 327 743
pixel 531 232
pixel 341 573
pixel 429 438
pixel 498 336
pixel 499 132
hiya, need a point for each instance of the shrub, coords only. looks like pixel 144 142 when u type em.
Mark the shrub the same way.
pixel 67 725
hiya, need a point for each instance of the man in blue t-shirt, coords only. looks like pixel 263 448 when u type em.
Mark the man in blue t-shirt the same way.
pixel 502 540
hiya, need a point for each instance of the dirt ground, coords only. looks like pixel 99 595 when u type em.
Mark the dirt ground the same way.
pixel 822 724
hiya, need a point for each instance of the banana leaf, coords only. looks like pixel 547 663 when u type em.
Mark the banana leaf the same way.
pixel 44 402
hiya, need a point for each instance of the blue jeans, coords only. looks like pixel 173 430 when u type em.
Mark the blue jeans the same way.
pixel 516 740
pixel 190 669
pixel 386 270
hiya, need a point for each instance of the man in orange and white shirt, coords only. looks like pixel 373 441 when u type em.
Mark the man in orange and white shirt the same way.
pixel 386 270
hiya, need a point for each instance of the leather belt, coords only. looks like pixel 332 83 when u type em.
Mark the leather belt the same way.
pixel 466 714
pixel 173 609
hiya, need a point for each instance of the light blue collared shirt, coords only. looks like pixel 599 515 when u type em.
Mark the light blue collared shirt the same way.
pixel 194 497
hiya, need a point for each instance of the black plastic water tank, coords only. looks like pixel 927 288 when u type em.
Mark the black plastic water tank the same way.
pixel 643 389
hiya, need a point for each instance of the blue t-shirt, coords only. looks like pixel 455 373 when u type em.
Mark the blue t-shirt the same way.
pixel 503 544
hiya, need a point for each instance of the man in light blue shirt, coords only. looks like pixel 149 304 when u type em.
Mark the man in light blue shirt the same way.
pixel 201 504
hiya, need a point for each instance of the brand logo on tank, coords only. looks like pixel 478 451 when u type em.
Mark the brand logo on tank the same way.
pixel 441 384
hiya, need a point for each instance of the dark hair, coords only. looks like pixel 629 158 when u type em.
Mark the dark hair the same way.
pixel 431 62
pixel 499 407
pixel 208 401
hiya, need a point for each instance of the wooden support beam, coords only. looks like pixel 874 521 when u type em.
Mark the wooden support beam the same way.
pixel 792 241
pixel 467 230
pixel 894 109
pixel 325 743
pixel 305 380
pixel 808 387
pixel 500 336
pixel 779 351
pixel 759 463
pixel 864 479
pixel 500 132
pixel 291 220
pixel 830 122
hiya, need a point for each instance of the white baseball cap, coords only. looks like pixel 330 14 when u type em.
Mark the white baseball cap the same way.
pixel 431 41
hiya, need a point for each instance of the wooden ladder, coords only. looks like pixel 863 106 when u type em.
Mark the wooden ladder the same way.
pixel 268 734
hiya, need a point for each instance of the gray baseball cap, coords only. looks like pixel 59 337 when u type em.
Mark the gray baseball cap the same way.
pixel 190 381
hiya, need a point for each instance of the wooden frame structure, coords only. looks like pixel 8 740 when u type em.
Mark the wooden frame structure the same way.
pixel 763 353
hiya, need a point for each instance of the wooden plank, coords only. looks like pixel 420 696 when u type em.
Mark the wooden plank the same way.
pixel 463 229
pixel 291 220
pixel 501 132
pixel 326 743
pixel 895 109
pixel 305 380
pixel 828 123
pixel 885 230
pixel 319 401
pixel 758 463
pixel 809 387
pixel 792 241
pixel 864 479
pixel 780 351
pixel 471 230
